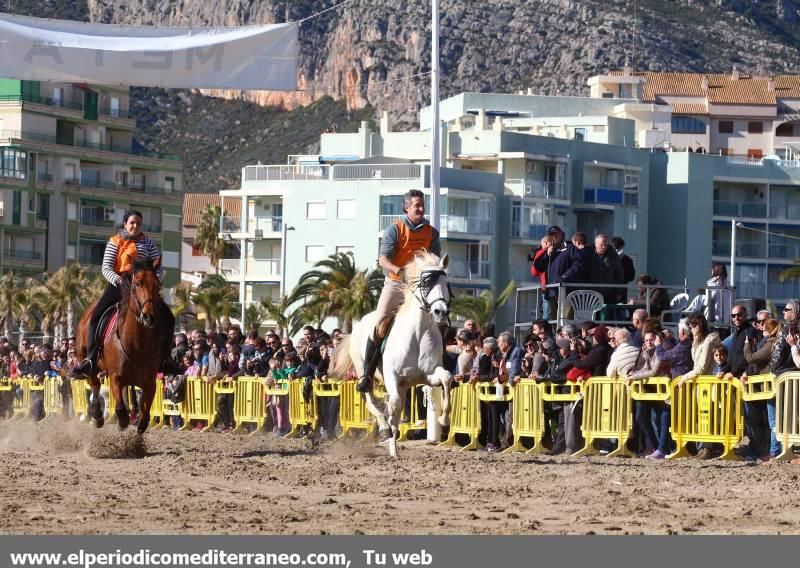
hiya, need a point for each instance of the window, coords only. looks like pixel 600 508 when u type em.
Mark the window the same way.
pixel 170 259
pixel 315 210
pixel 169 184
pixel 171 222
pixel 580 134
pixel 43 212
pixel 755 127
pixel 345 249
pixel 784 129
pixel 599 128
pixel 31 204
pixel 315 253
pixel 631 190
pixel 346 209
pixel 58 96
pixel 13 163
pixel 688 125
pixel 633 221
pixel 196 250
pixel 608 95
pixel 115 107
pixel 755 153
pixel 725 127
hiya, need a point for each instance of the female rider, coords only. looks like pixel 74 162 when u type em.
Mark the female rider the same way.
pixel 122 251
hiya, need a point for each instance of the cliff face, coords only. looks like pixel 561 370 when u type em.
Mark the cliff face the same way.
pixel 552 46
pixel 358 54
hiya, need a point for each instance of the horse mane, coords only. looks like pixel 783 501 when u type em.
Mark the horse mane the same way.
pixel 413 269
pixel 144 264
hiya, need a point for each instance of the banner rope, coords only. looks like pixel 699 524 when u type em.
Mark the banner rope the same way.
pixel 339 5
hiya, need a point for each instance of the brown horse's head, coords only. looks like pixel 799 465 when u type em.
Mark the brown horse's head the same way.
pixel 142 296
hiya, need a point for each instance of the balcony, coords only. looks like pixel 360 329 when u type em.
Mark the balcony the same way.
pixel 747 250
pixel 257 269
pixel 784 251
pixel 257 227
pixel 12 136
pixel 58 103
pixel 789 212
pixel 603 195
pixel 115 113
pixel 44 178
pixel 739 209
pixel 470 269
pixel 528 232
pixel 386 220
pixel 471 225
pixel 342 172
pixel 23 254
pixel 539 189
pixel 112 186
pixel 91 219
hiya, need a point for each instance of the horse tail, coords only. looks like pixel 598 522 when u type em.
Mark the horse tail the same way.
pixel 343 365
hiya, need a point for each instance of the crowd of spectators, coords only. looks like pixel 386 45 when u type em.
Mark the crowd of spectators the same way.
pixel 632 353
pixel 600 265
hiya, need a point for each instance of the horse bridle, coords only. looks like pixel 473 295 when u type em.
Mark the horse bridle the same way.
pixel 421 291
pixel 139 305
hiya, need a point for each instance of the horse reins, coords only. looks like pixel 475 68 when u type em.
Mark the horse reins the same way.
pixel 418 290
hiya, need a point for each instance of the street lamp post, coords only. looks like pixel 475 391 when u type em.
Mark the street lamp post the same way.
pixel 286 228
pixel 733 253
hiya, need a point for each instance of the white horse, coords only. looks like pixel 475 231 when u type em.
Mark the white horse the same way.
pixel 414 347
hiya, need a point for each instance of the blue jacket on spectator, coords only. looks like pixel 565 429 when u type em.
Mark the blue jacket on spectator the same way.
pixel 563 265
pixel 679 357
pixel 513 360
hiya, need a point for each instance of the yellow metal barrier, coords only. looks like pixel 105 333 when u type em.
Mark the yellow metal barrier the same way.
pixel 654 389
pixel 22 405
pixel 606 415
pixel 80 398
pixel 328 389
pixel 53 405
pixel 168 410
pixel 707 409
pixel 527 417
pixel 157 406
pixel 565 392
pixel 7 390
pixel 353 412
pixel 465 416
pixel 759 387
pixel 787 413
pixel 379 390
pixel 412 421
pixel 199 403
pixel 249 404
pixel 301 413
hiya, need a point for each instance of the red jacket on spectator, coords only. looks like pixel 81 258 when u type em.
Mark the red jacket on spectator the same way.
pixel 542 275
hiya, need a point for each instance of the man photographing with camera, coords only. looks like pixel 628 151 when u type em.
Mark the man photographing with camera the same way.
pixel 560 262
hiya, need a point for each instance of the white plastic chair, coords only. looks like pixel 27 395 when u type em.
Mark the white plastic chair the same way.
pixel 584 304
pixel 677 305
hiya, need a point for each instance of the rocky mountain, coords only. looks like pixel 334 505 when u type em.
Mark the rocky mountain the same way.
pixel 363 52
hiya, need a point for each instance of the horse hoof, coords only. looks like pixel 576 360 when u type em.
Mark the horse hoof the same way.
pixel 98 422
pixel 141 428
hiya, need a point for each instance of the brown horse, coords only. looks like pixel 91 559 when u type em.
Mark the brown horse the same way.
pixel 130 355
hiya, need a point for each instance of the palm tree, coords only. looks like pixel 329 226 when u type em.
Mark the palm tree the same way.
pixel 481 308
pixel 183 300
pixel 336 287
pixel 215 297
pixel 791 273
pixel 287 320
pixel 207 237
pixel 26 307
pixel 255 314
pixel 68 289
pixel 10 285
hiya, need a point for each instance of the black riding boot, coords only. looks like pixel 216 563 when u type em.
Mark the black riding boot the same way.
pixel 85 368
pixel 371 359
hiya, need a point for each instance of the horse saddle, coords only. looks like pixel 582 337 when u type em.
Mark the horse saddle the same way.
pixel 106 325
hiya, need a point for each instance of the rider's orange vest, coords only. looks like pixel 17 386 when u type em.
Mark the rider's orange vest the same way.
pixel 409 243
pixel 126 254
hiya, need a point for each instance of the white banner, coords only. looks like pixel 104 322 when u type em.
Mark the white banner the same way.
pixel 250 57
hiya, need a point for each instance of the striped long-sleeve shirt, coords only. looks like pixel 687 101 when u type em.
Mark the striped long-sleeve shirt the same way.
pixel 145 249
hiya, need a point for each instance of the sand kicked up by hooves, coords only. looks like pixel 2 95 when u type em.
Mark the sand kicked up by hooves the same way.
pixel 117 445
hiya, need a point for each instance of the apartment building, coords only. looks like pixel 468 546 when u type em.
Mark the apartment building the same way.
pixel 295 215
pixel 194 263
pixel 70 168
pixel 733 114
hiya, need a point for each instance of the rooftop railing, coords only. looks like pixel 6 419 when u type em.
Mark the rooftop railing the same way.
pixel 63 141
pixel 58 103
pixel 340 172
pixel 112 186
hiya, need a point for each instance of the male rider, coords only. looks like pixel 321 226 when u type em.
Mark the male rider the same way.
pixel 401 242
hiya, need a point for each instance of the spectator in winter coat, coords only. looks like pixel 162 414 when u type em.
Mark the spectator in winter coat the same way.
pixel 561 263
pixel 606 268
pixel 743 333
pixel 628 269
pixel 676 355
pixel 624 357
pixel 781 360
pixel 656 442
pixel 659 299
pixel 596 360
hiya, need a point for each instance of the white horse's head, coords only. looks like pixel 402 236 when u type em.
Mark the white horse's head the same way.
pixel 431 287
